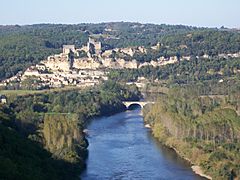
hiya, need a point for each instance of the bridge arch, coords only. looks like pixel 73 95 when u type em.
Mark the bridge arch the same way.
pixel 140 103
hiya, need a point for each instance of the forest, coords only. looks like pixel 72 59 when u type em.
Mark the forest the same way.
pixel 197 116
pixel 24 159
pixel 51 126
pixel 22 46
pixel 202 129
pixel 184 72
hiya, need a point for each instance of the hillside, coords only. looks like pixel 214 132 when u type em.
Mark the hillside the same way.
pixel 42 134
pixel 22 46
pixel 22 158
pixel 204 130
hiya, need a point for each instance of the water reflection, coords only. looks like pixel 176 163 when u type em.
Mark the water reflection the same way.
pixel 122 148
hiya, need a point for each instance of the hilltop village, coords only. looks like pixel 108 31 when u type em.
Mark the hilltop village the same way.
pixel 87 66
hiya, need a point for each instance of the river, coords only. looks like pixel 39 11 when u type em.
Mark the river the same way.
pixel 122 148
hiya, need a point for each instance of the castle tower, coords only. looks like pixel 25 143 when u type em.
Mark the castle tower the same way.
pixel 69 51
pixel 94 46
pixel 68 48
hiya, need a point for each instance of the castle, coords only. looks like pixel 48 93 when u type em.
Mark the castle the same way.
pixel 95 58
pixel 89 64
pixel 94 46
pixel 68 49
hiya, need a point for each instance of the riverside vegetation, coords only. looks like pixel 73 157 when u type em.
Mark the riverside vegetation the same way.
pixel 42 134
pixel 203 129
pixel 22 158
pixel 197 113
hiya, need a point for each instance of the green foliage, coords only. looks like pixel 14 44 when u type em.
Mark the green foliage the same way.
pixel 22 46
pixel 103 100
pixel 55 120
pixel 205 130
pixel 64 137
pixel 31 83
pixel 184 72
pixel 21 158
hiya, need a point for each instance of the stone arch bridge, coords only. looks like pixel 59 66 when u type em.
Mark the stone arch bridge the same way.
pixel 140 103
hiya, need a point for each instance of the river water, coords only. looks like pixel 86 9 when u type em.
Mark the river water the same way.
pixel 122 148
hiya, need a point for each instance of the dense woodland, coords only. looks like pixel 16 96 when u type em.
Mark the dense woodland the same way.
pixel 203 129
pixel 34 128
pixel 51 125
pixel 22 158
pixel 22 46
pixel 184 72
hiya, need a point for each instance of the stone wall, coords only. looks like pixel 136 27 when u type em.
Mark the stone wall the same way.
pixel 85 63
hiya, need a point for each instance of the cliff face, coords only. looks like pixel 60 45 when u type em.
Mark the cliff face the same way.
pixel 57 62
pixel 85 63
pixel 64 137
pixel 63 63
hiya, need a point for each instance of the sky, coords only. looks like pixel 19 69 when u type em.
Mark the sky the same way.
pixel 201 13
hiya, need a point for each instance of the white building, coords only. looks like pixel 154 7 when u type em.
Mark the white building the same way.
pixel 3 99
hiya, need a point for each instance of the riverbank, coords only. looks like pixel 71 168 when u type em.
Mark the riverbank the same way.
pixel 56 119
pixel 206 130
pixel 199 171
pixel 196 168
pixel 121 148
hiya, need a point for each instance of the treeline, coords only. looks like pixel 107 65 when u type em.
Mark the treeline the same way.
pixel 203 129
pixel 104 99
pixel 183 72
pixel 22 46
pixel 55 121
pixel 75 106
pixel 21 158
pixel 200 42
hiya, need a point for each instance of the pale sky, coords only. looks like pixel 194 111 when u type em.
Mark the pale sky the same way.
pixel 206 13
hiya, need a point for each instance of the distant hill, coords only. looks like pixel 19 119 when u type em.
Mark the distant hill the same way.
pixel 22 46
